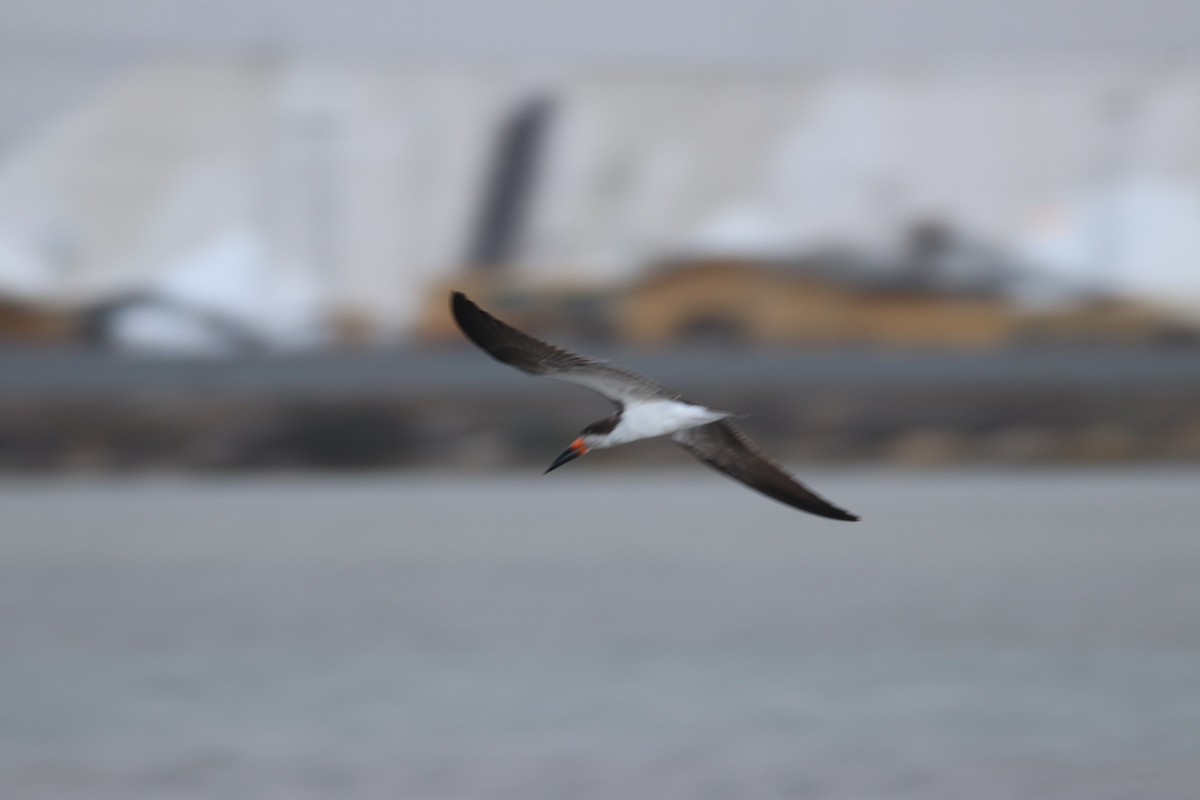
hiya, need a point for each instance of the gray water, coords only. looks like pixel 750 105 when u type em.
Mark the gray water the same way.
pixel 601 635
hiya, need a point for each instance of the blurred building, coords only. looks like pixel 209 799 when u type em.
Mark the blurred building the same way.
pixel 832 299
pixel 286 201
pixel 730 302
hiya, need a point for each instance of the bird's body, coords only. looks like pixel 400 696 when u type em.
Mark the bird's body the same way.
pixel 657 417
pixel 644 410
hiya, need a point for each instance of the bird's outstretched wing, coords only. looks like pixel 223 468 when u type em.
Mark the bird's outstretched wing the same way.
pixel 722 446
pixel 518 349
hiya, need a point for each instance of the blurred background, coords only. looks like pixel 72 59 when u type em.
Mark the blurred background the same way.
pixel 272 528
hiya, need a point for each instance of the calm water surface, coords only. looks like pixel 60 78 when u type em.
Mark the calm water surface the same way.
pixel 601 635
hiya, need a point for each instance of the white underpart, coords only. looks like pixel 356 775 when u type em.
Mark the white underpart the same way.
pixel 658 418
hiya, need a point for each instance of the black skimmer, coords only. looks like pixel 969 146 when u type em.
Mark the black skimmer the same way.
pixel 644 409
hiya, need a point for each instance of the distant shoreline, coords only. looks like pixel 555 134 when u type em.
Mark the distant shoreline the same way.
pixel 452 408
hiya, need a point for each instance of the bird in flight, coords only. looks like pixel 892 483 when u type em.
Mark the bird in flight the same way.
pixel 644 409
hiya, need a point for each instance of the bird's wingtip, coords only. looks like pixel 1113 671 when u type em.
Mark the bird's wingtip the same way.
pixel 844 515
pixel 461 305
pixel 831 511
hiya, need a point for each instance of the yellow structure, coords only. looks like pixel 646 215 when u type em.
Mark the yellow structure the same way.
pixel 729 301
pixel 739 301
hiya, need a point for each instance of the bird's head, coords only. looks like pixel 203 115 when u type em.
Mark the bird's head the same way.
pixel 591 437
